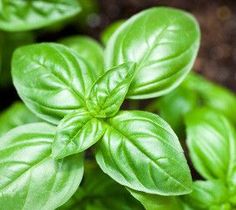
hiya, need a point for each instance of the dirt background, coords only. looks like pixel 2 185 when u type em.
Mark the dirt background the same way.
pixel 217 18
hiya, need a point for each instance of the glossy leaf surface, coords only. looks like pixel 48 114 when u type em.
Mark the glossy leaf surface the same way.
pixel 163 42
pixel 75 133
pixel 30 178
pixel 139 150
pixel 17 114
pixel 211 140
pixel 21 15
pixel 88 49
pixel 51 79
pixel 109 91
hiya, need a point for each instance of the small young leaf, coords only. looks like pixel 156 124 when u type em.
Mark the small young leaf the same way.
pixel 211 140
pixel 21 15
pixel 51 79
pixel 157 202
pixel 17 114
pixel 109 91
pixel 88 49
pixel 140 151
pixel 30 177
pixel 75 133
pixel 163 42
pixel 206 195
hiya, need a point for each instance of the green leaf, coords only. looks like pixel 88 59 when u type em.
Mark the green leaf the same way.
pixel 51 79
pixel 75 133
pixel 211 140
pixel 21 15
pixel 212 95
pixel 109 91
pixel 163 42
pixel 140 151
pixel 208 195
pixel 17 114
pixel 88 49
pixel 30 177
pixel 110 30
pixel 157 202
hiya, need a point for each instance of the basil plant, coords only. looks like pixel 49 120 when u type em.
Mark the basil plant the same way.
pixel 77 91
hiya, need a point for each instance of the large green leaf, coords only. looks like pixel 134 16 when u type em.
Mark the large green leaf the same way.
pixel 211 141
pixel 30 178
pixel 163 42
pixel 88 49
pixel 139 150
pixel 21 15
pixel 75 133
pixel 109 91
pixel 208 195
pixel 51 79
pixel 17 114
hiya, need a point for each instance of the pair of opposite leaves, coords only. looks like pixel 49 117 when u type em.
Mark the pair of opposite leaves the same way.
pixel 148 56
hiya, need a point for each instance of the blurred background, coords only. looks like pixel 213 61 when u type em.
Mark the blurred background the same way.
pixel 217 18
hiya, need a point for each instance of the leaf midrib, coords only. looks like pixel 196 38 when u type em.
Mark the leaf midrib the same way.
pixel 153 160
pixel 64 83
